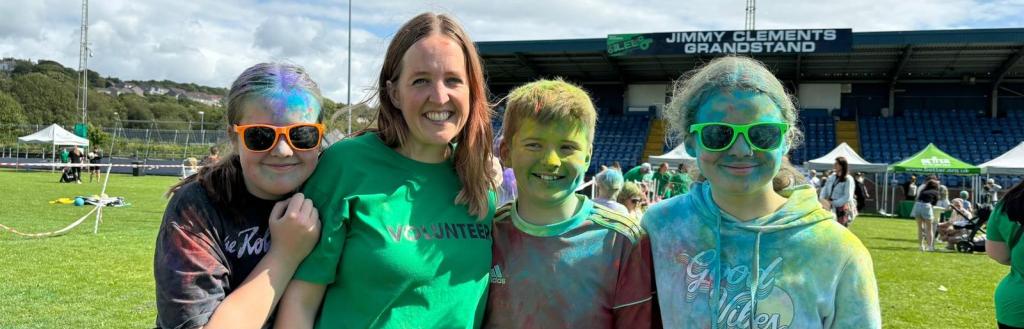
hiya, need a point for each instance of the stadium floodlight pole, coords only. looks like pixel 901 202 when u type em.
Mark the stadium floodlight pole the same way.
pixel 83 59
pixel 348 85
pixel 110 151
pixel 751 8
pixel 202 128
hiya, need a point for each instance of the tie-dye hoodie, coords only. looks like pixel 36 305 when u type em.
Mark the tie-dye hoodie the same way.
pixel 813 273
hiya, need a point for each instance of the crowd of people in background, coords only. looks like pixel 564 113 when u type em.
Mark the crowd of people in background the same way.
pixel 74 159
pixel 633 191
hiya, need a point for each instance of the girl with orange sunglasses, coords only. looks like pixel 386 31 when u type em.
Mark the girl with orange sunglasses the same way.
pixel 215 266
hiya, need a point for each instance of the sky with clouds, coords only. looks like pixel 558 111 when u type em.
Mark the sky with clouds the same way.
pixel 210 41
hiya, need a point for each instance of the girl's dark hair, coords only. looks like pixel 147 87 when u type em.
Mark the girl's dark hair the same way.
pixel 222 179
pixel 1013 203
pixel 844 169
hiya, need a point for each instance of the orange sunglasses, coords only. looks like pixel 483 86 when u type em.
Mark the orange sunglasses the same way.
pixel 263 138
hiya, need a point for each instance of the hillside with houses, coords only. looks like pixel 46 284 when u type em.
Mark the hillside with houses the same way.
pixel 41 92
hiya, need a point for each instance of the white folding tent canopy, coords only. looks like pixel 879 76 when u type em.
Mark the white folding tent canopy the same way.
pixel 856 162
pixel 1009 163
pixel 674 157
pixel 53 135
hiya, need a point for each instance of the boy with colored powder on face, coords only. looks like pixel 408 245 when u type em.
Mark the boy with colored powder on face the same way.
pixel 560 260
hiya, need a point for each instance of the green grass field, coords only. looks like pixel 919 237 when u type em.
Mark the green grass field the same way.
pixel 83 280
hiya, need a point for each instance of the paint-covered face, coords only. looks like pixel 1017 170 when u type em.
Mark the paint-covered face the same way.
pixel 432 92
pixel 282 170
pixel 549 161
pixel 739 169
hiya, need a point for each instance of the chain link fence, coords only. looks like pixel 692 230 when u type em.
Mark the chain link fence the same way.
pixel 134 139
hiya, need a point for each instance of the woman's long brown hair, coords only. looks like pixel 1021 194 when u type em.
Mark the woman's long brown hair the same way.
pixel 473 153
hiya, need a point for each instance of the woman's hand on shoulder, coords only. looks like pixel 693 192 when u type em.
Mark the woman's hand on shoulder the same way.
pixel 294 228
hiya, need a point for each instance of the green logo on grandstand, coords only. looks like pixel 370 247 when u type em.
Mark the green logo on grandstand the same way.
pixel 623 44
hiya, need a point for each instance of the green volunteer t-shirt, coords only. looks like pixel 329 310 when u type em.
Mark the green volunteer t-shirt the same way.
pixel 662 179
pixel 635 175
pixel 681 183
pixel 1009 296
pixel 395 250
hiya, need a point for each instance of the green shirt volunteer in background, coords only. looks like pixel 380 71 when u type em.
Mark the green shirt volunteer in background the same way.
pixel 1009 295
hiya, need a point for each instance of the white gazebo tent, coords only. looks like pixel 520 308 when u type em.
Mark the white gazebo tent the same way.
pixel 674 157
pixel 855 161
pixel 53 135
pixel 1009 163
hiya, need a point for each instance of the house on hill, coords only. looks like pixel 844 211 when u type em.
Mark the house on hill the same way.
pixel 157 90
pixel 204 98
pixel 7 65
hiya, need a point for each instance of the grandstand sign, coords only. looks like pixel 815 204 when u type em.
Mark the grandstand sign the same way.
pixel 732 42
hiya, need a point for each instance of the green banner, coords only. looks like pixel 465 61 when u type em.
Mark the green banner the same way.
pixel 82 130
pixel 932 160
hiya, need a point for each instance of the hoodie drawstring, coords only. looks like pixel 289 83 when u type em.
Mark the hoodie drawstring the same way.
pixel 755 278
pixel 716 280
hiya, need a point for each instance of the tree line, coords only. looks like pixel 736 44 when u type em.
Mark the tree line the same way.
pixel 45 92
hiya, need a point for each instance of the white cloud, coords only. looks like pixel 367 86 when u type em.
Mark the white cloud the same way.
pixel 210 42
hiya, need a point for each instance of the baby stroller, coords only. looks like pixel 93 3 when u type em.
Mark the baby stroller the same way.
pixel 968 243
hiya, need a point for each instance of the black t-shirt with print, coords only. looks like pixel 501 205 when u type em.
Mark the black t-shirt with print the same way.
pixel 204 251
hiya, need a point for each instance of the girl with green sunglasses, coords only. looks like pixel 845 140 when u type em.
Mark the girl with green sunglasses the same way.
pixel 736 252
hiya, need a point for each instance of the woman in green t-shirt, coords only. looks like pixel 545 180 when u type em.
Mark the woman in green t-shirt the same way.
pixel 1005 245
pixel 406 209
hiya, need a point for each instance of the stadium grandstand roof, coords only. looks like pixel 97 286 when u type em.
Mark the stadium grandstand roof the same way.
pixel 971 56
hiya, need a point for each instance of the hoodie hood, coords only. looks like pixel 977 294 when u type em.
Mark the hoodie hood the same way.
pixel 801 209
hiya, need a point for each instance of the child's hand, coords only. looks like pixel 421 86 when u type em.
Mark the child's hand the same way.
pixel 294 228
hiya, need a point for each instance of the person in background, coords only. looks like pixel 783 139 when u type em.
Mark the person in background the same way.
pixel 1005 246
pixel 681 180
pixel 215 265
pixel 990 192
pixel 507 181
pixel 609 184
pixel 943 203
pixel 951 230
pixel 77 158
pixel 966 197
pixel 837 194
pixel 633 197
pixel 94 158
pixel 662 179
pixel 927 198
pixel 189 167
pixel 211 158
pixel 814 179
pixel 65 155
pixel 641 173
pixel 910 188
pixel 616 166
pixel 860 191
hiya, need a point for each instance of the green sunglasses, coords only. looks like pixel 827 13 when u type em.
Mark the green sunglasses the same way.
pixel 719 136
